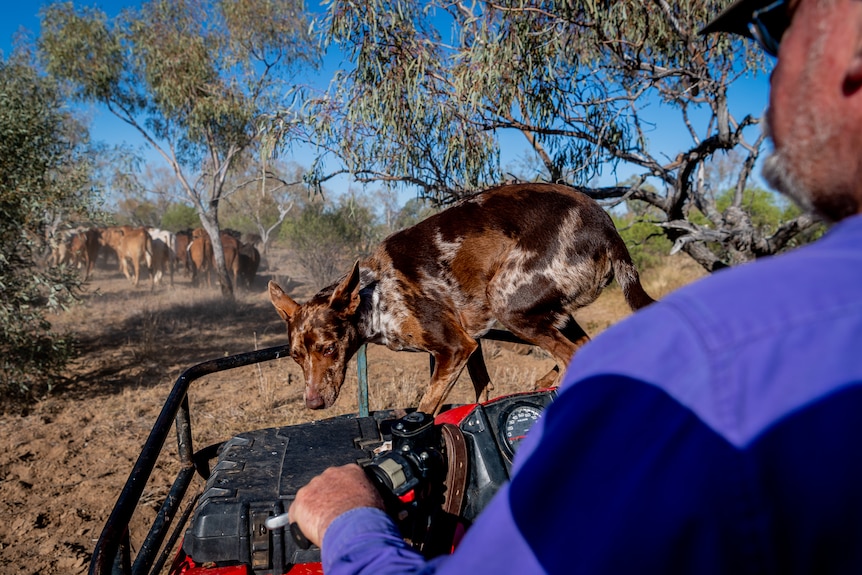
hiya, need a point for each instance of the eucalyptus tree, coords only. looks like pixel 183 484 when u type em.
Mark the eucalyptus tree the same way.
pixel 430 87
pixel 265 194
pixel 191 76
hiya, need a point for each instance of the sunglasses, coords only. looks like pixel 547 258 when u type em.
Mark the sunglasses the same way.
pixel 767 26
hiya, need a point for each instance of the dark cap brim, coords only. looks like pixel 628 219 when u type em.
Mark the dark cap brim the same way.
pixel 735 18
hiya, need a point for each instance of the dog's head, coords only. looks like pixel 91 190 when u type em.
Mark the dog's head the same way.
pixel 323 335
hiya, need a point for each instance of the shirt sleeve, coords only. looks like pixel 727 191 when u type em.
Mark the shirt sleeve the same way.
pixel 366 541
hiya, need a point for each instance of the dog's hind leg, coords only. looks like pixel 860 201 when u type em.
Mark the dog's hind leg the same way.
pixel 561 343
pixel 574 333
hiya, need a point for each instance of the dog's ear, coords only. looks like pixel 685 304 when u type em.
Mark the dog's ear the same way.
pixel 285 306
pixel 346 294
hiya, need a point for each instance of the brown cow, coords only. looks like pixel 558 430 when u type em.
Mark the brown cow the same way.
pixel 110 237
pixel 169 238
pixel 252 239
pixel 184 238
pixel 60 243
pixel 249 260
pixel 132 245
pixel 84 250
pixel 201 255
pixel 231 246
pixel 162 262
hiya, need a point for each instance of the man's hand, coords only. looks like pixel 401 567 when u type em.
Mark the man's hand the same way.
pixel 333 492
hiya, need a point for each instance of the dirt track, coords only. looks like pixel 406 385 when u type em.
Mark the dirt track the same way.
pixel 62 465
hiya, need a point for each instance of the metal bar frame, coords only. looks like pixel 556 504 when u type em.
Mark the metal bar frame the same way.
pixel 175 410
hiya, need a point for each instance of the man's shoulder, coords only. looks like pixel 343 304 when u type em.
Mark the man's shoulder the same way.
pixel 765 337
pixel 785 288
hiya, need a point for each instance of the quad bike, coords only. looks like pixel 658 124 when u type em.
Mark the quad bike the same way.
pixel 436 475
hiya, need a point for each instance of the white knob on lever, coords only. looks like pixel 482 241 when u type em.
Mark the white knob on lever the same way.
pixel 276 521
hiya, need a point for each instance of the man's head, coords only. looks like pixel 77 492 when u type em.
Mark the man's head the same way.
pixel 815 110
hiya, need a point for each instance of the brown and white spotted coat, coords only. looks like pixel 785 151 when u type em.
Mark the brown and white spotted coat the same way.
pixel 527 255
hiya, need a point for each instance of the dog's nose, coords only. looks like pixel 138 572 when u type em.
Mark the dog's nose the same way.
pixel 314 401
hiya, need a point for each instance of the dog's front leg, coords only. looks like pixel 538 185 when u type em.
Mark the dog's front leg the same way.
pixel 448 365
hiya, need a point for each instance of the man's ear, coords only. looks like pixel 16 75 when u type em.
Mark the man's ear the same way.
pixel 853 76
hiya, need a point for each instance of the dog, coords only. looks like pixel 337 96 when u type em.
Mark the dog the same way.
pixel 526 255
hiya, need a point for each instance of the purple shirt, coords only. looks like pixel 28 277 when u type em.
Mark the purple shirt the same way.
pixel 717 431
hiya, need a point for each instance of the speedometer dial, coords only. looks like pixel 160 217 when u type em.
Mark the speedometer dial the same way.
pixel 517 423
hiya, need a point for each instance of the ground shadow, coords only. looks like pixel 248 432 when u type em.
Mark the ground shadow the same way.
pixel 153 346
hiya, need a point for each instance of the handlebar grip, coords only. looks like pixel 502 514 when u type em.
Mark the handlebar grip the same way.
pixel 384 486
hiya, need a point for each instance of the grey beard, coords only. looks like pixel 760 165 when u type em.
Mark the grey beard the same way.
pixel 778 174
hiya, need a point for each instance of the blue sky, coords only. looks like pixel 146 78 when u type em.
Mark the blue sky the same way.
pixel 25 14
pixel 105 126
pixel 748 95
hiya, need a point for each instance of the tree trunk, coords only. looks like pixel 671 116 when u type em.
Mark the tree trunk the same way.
pixel 211 225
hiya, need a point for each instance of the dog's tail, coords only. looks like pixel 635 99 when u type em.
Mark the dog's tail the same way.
pixel 628 278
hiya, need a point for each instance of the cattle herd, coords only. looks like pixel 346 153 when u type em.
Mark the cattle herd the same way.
pixel 161 252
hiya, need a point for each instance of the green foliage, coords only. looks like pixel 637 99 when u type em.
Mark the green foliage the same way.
pixel 179 216
pixel 400 115
pixel 646 241
pixel 430 88
pixel 414 211
pixel 766 213
pixel 236 220
pixel 327 238
pixel 174 57
pixel 137 212
pixel 766 209
pixel 84 50
pixel 44 178
pixel 432 84
pixel 194 73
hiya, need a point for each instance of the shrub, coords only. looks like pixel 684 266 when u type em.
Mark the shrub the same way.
pixel 646 241
pixel 44 179
pixel 326 239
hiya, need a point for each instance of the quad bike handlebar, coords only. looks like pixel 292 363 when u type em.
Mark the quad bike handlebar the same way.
pixel 409 474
